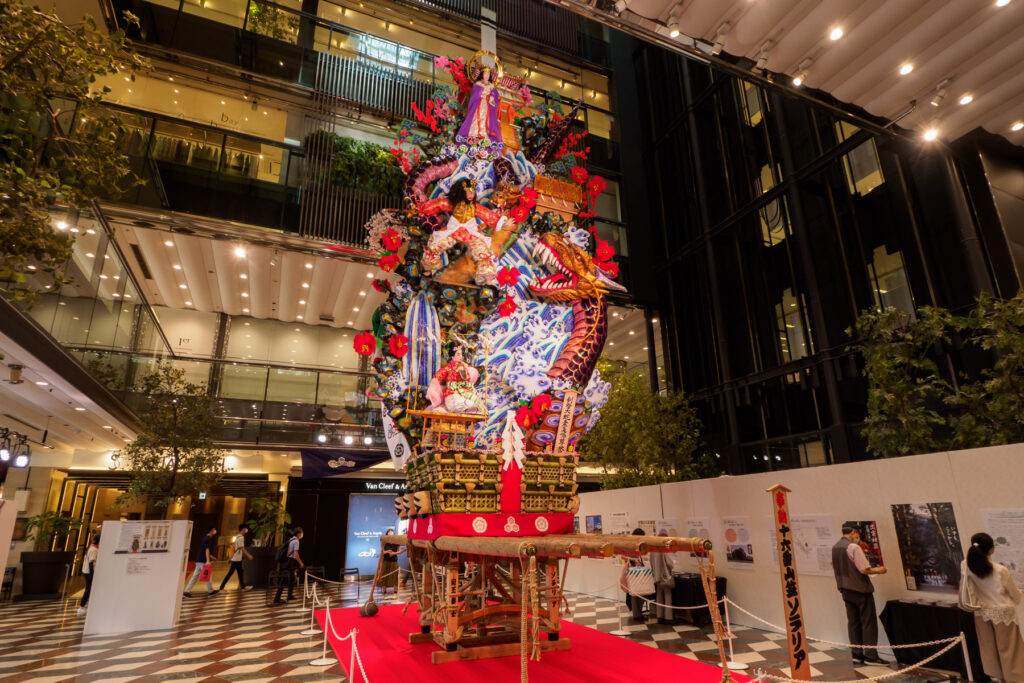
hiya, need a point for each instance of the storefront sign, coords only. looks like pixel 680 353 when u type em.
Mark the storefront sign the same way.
pixel 799 666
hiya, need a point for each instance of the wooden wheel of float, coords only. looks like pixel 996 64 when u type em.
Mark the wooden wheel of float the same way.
pixel 493 597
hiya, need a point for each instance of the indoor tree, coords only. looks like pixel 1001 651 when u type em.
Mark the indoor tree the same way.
pixel 174 456
pixel 645 438
pixel 268 516
pixel 47 527
pixel 59 145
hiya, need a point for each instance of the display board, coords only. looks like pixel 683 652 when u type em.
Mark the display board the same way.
pixel 135 589
pixel 370 515
pixel 8 515
pixel 738 545
pixel 813 538
pixel 929 545
pixel 1006 527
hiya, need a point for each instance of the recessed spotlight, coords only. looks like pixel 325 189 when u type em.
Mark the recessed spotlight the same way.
pixel 168 243
pixel 966 99
pixel 362 293
pixel 836 33
pixel 245 310
pixel 188 303
pixel 41 383
pixel 61 225
pixel 107 427
pixel 182 286
pixel 798 80
pixel 176 266
pixel 348 323
pixel 115 294
pixel 245 295
pixel 309 265
pixel 931 134
pixel 299 317
pixel 625 358
pixel 632 332
pixel 654 320
pixel 31 267
pixel 1017 125
pixel 906 68
pixel 239 252
pixel 90 255
pixel 305 285
pixel 369 275
pixel 355 310
pixel 1002 3
pixel 81 410
pixel 223 102
pixel 645 348
pixel 302 302
pixel 104 277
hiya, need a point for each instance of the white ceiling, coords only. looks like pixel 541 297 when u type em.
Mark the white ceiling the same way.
pixel 975 44
pixel 275 280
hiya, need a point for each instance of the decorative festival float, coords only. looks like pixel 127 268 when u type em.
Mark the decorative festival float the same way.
pixel 485 352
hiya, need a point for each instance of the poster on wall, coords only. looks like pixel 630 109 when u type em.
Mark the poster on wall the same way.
pixel 739 550
pixel 869 542
pixel 575 524
pixel 594 524
pixel 669 527
pixel 648 526
pixel 370 515
pixel 813 537
pixel 1006 527
pixel 618 523
pixel 698 527
pixel 143 537
pixel 929 546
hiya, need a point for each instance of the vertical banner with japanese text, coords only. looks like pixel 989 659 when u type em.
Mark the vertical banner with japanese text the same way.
pixel 799 666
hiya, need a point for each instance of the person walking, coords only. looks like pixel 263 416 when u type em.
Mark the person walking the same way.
pixel 987 588
pixel 89 572
pixel 852 569
pixel 236 559
pixel 389 565
pixel 204 558
pixel 292 562
pixel 662 566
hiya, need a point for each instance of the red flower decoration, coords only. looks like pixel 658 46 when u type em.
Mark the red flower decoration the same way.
pixel 388 262
pixel 524 418
pixel 507 307
pixel 520 213
pixel 596 185
pixel 579 174
pixel 508 276
pixel 365 343
pixel 381 285
pixel 604 251
pixel 391 239
pixel 527 202
pixel 398 345
pixel 610 267
pixel 530 193
pixel 540 403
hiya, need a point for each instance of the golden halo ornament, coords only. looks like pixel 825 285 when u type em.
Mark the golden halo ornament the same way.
pixel 475 66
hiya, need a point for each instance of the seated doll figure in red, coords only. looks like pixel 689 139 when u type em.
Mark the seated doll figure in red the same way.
pixel 463 226
pixel 452 388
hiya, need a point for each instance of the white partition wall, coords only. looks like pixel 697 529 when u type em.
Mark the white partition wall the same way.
pixel 8 514
pixel 972 480
pixel 140 575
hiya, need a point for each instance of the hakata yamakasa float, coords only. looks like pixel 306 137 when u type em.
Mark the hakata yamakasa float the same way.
pixel 485 352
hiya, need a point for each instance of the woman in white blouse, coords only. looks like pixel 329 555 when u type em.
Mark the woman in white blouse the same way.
pixel 987 588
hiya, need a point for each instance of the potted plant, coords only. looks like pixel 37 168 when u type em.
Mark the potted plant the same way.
pixel 43 570
pixel 268 516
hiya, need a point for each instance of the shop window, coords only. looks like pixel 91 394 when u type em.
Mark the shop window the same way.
pixel 889 284
pixel 861 166
pixel 794 340
pixel 753 102
pixel 774 220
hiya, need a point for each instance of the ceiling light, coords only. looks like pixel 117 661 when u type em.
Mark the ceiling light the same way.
pixel 931 134
pixel 349 440
pixel 168 243
pixel 967 99
pixel 362 293
pixel 906 68
pixel 244 276
pixel 299 317
pixel 188 303
pixel 245 310
pixel 61 225
pixel 348 323
pixel 801 72
pixel 21 460
pixel 1002 3
pixel 116 294
pixel 90 255
pixel 239 252
pixel 42 383
pixel 104 277
pixel 719 43
pixel 654 320
pixel 625 358
pixel 321 438
pixel 836 33
pixel 182 286
pixel 305 285
pixel 367 440
pixel 176 266
pixel 81 410
pixel 222 102
pixel 1017 125
pixel 245 295
pixel 355 310
pixel 673 29
pixel 309 265
pixel 762 58
pixel 107 427
pixel 632 332
pixel 369 275
pixel 302 302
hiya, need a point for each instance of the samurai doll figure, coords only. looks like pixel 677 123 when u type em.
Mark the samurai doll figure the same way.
pixel 452 388
pixel 463 226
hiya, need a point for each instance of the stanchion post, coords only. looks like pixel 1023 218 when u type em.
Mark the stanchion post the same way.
pixel 305 586
pixel 352 656
pixel 312 630
pixel 324 659
pixel 733 665
pixel 967 656
pixel 618 611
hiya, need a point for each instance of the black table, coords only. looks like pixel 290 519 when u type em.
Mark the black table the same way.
pixel 689 592
pixel 906 623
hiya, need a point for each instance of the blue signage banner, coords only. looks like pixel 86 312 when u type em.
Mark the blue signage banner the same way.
pixel 369 517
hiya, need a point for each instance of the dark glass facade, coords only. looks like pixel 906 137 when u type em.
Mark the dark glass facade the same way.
pixel 772 225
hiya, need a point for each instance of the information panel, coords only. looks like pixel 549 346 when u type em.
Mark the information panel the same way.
pixel 369 517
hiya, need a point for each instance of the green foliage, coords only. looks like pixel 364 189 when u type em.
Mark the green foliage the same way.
pixel 272 22
pixel 644 438
pixel 48 73
pixel 359 164
pixel 905 388
pixel 174 456
pixel 48 526
pixel 268 516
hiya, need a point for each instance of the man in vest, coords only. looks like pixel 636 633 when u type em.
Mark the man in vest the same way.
pixel 852 569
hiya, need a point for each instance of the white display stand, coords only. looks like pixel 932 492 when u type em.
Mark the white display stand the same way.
pixel 8 514
pixel 139 579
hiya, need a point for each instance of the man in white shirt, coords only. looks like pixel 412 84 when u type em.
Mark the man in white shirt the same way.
pixel 236 559
pixel 852 569
pixel 291 563
pixel 88 571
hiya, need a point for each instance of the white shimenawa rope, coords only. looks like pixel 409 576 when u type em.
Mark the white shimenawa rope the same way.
pixel 780 629
pixel 881 677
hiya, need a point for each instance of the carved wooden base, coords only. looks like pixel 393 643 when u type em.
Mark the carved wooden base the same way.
pixel 462 653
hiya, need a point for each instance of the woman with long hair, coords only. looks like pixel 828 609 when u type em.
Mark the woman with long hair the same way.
pixel 987 588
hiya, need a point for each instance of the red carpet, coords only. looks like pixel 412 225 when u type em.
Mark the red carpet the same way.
pixel 595 656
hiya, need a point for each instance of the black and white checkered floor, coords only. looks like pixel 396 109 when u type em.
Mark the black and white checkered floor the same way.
pixel 234 636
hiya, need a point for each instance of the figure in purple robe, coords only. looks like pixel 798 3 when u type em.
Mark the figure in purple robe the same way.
pixel 482 112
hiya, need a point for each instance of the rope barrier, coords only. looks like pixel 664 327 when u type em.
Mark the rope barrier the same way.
pixel 355 658
pixel 881 677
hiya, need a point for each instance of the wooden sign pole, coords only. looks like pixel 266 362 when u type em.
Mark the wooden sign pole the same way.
pixel 799 666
